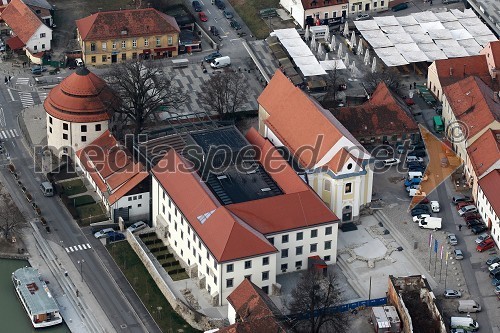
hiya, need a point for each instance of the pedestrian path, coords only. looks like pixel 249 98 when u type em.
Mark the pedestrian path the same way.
pixel 26 99
pixel 23 80
pixel 79 247
pixel 8 134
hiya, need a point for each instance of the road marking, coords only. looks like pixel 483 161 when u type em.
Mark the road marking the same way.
pixel 11 96
pixel 71 248
pixel 67 250
pixel 42 95
pixel 15 132
pixel 23 80
pixel 26 99
pixel 2 118
pixel 89 245
pixel 80 247
pixel 12 133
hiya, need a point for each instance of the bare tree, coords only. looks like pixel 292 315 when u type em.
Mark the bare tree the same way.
pixel 313 295
pixel 332 79
pixel 10 222
pixel 142 89
pixel 224 93
pixel 391 77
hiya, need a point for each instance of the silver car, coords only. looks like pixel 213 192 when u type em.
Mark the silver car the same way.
pixel 451 293
pixel 459 255
pixel 103 233
pixel 452 239
pixel 137 226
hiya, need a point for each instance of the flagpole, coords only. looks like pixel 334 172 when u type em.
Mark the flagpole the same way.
pixel 436 256
pixel 441 269
pixel 430 251
pixel 446 270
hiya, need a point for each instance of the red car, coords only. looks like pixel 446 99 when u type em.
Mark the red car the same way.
pixel 471 216
pixel 203 17
pixel 464 203
pixel 485 245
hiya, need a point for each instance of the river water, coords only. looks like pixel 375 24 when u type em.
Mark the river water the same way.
pixel 13 318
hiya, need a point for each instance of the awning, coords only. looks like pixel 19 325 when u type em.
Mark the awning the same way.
pixel 165 49
pixel 15 43
pixel 146 51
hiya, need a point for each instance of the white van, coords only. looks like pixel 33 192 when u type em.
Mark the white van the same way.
pixel 468 306
pixel 221 62
pixel 466 323
pixel 430 223
pixel 47 189
pixel 414 174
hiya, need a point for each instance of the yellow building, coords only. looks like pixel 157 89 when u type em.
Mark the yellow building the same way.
pixel 115 36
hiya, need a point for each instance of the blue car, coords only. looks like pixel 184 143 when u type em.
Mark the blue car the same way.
pixel 413 181
pixel 115 236
pixel 495 282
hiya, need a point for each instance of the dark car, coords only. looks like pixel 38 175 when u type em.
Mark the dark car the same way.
pixel 115 236
pixel 235 25
pixel 37 70
pixel 415 164
pixel 228 14
pixel 220 4
pixel 479 229
pixel 420 209
pixel 399 7
pixel 417 146
pixel 495 273
pixel 197 6
pixel 495 282
pixel 459 198
pixel 471 216
pixel 415 168
pixel 419 153
pixel 212 56
pixel 492 260
pixel 473 223
pixel 214 30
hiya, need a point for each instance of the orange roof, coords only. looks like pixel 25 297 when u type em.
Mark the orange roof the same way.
pixel 473 103
pixel 455 69
pixel 485 151
pixel 255 310
pixel 299 121
pixel 489 185
pixel 136 23
pixel 111 167
pixel 225 235
pixel 15 43
pixel 336 164
pixel 82 97
pixel 21 19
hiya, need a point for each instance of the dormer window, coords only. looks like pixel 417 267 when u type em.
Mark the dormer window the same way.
pixel 314 3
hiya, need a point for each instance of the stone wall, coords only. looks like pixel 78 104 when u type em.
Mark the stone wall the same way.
pixel 193 318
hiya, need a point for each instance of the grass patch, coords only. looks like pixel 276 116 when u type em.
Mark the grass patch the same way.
pixel 248 10
pixel 146 288
pixel 83 200
pixel 91 214
pixel 73 187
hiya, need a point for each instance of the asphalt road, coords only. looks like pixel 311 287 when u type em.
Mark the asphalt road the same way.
pixel 64 229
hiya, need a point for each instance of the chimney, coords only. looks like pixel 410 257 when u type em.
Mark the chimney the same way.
pixel 464 69
pixel 451 71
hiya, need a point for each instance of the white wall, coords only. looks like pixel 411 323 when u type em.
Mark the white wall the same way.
pixel 38 41
pixel 231 314
pixel 488 214
pixel 294 7
pixel 138 206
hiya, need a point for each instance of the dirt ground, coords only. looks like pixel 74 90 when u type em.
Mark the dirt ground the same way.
pixel 8 210
pixel 360 322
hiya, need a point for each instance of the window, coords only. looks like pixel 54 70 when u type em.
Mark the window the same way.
pixel 314 247
pixel 327 258
pixel 300 236
pixel 326 16
pixel 382 3
pixel 208 270
pixel 229 268
pixel 284 253
pixel 328 230
pixel 248 264
pixel 328 186
pixel 65 126
pixel 284 239
pixel 328 245
pixel 50 129
pixel 170 218
pixel 215 279
pixel 42 35
pixel 83 128
pixel 348 188
pixel 146 42
pixel 229 283
pixel 265 261
pixel 104 58
pixel 124 44
pixel 170 40
pixel 265 289
pixel 134 55
pixel 271 240
pixel 298 264
pixel 50 120
pixel 182 234
pixel 65 136
pixel 375 4
pixel 113 45
pixel 298 250
pixel 314 233
pixel 35 47
pixel 334 14
pixel 349 166
pixel 43 46
pixel 104 46
pixel 189 244
pixel 194 252
pixel 265 275
pixel 98 127
pixel 93 59
pixel 124 56
pixel 248 277
pixel 163 209
pixel 158 41
pixel 134 42
pixel 353 8
pixel 360 7
pixel 92 46
pixel 199 259
pixel 84 138
pixel 284 267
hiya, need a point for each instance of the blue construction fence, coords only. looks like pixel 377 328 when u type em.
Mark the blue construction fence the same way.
pixel 343 308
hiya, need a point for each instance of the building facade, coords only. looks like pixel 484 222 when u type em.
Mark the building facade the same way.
pixel 488 203
pixel 116 36
pixel 307 12
pixel 357 7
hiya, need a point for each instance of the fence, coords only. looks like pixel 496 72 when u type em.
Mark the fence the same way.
pixel 342 308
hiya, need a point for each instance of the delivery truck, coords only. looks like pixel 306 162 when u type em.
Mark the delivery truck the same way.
pixel 430 223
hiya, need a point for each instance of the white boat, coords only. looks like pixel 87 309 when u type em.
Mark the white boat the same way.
pixel 36 298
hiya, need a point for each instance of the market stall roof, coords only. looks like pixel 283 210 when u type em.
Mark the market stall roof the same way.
pixel 471 46
pixel 391 56
pixel 414 29
pixel 393 29
pixel 403 38
pixel 411 52
pixel 452 25
pixel 421 38
pixel 445 17
pixel 330 65
pixel 466 13
pixel 440 34
pixel 406 20
pixel 483 40
pixel 286 34
pixel 368 25
pixel 467 22
pixel 383 21
pixel 425 17
pixel 460 34
pixel 432 51
pixel 451 48
pixel 436 25
pixel 478 30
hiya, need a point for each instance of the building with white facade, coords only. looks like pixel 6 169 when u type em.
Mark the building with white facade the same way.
pixel 232 209
pixel 336 166
pixel 488 202
pixel 309 12
pixel 77 112
pixel 357 7
pixel 122 184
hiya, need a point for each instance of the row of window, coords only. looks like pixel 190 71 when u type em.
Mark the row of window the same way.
pixel 300 235
pixel 347 188
pixel 248 264
pixel 299 250
pixel 35 47
pixel 104 45
pixel 83 128
pixel 135 197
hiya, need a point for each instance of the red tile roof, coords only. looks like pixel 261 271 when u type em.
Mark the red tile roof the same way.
pixel 485 152
pixel 455 69
pixel 21 19
pixel 489 185
pixel 111 167
pixel 473 103
pixel 82 97
pixel 255 311
pixel 15 43
pixel 137 23
pixel 225 235
pixel 310 4
pixel 298 121
pixel 383 114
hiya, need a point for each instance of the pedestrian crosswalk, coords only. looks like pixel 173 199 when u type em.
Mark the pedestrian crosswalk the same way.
pixel 43 95
pixel 23 80
pixel 8 134
pixel 79 247
pixel 26 99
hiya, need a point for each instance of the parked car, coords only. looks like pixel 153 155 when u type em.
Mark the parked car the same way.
pixel 413 181
pixel 420 209
pixel 399 7
pixel 391 161
pixel 495 282
pixel 417 146
pixel 213 30
pixel 115 236
pixel 421 217
pixel 462 204
pixel 197 6
pixel 220 4
pixel 235 25
pixel 459 198
pixel 228 14
pixel 486 245
pixel 416 168
pixel 459 255
pixel 473 223
pixel 492 260
pixel 414 159
pixel 471 216
pixel 495 274
pixel 362 17
pixel 419 153
pixel 452 239
pixel 467 209
pixel 479 229
pixel 209 58
pixel 400 149
pixel 497 290
pixel 424 200
pixel 446 2
pixel 482 237
pixel 493 266
pixel 413 187
pixel 38 70
pixel 203 17
pixel 435 206
pixel 451 293
pixel 103 233
pixel 137 226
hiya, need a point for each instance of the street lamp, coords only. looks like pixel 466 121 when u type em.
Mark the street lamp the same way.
pixel 81 267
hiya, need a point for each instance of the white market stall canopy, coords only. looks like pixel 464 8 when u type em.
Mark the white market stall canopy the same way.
pixel 330 65
pixel 425 36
